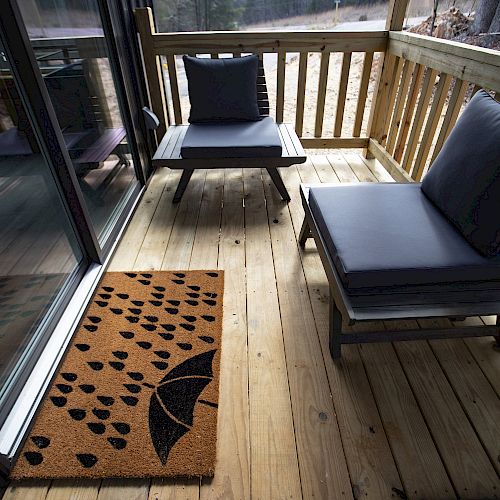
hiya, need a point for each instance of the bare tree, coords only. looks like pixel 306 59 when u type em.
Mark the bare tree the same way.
pixel 495 23
pixel 434 14
pixel 485 14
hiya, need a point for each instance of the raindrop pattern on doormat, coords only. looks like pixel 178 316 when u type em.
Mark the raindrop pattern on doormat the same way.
pixel 137 392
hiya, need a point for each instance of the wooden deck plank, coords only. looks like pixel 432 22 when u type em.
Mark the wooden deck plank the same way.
pixel 163 241
pixel 119 489
pixel 155 241
pixel 485 352
pixel 232 473
pixel 466 461
pixel 323 470
pixel 274 467
pixel 174 489
pixel 371 466
pixel 27 490
pixel 180 244
pixel 74 489
pixel 419 463
pixel 130 245
pixel 476 395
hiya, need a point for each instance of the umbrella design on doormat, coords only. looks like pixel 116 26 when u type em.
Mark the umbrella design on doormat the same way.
pixel 172 404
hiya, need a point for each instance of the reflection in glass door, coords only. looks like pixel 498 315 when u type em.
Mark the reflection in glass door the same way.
pixel 40 258
pixel 72 53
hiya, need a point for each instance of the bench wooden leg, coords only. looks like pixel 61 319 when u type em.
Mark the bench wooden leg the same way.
pixel 278 182
pixel 305 233
pixel 181 187
pixel 335 326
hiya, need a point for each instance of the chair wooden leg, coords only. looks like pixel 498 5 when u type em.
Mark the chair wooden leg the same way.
pixel 335 329
pixel 278 182
pixel 305 233
pixel 497 337
pixel 181 187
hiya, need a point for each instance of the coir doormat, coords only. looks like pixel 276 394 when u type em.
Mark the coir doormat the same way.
pixel 137 393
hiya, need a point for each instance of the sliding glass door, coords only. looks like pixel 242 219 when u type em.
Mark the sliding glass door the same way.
pixel 73 55
pixel 73 160
pixel 41 259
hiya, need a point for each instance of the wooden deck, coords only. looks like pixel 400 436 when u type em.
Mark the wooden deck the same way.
pixel 409 420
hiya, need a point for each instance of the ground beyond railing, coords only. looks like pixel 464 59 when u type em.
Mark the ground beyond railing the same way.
pixel 276 48
pixel 421 85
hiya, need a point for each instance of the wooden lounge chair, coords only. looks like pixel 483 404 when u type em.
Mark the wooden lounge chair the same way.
pixel 407 251
pixel 231 145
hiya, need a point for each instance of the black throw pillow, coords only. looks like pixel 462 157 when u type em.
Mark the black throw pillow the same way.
pixel 222 89
pixel 464 180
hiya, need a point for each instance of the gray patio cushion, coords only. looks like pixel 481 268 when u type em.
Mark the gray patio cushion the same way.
pixel 464 181
pixel 232 140
pixel 222 89
pixel 391 234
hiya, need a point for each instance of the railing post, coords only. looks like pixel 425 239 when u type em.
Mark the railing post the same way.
pixel 152 66
pixel 381 97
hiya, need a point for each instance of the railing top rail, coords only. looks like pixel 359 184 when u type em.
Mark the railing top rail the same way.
pixel 270 41
pixel 276 34
pixel 467 62
pixel 489 56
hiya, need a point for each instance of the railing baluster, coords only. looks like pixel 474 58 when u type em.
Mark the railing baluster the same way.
pixel 322 83
pixel 362 94
pixel 301 93
pixel 423 104
pixel 431 125
pixel 174 88
pixel 378 110
pixel 152 66
pixel 454 106
pixel 344 80
pixel 280 86
pixel 398 68
pixel 398 109
pixel 408 112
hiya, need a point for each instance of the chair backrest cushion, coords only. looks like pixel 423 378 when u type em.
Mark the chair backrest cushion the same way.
pixel 222 89
pixel 464 180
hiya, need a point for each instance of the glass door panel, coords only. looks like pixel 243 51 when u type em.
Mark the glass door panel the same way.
pixel 40 256
pixel 71 50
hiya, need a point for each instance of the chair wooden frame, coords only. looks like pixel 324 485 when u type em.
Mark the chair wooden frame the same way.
pixel 168 153
pixel 409 302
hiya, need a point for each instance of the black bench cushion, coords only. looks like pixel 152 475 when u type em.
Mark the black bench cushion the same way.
pixel 390 234
pixel 232 140
pixel 464 181
pixel 222 89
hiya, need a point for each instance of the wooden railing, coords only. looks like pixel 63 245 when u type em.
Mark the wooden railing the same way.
pixel 422 88
pixel 422 84
pixel 276 48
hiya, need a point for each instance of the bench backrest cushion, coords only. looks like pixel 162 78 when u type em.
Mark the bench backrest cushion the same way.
pixel 464 180
pixel 222 89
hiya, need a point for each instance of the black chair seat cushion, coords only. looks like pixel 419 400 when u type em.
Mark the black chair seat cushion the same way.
pixel 232 140
pixel 222 89
pixel 464 181
pixel 382 235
